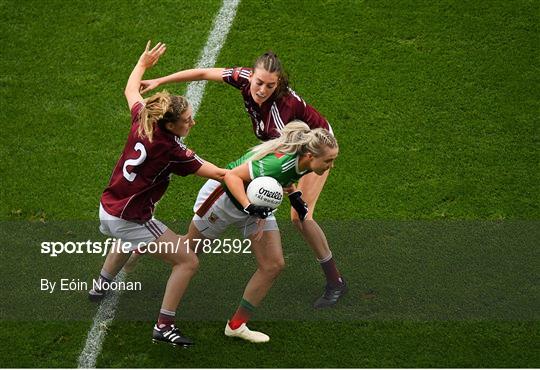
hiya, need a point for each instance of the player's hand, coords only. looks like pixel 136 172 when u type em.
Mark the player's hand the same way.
pixel 298 204
pixel 258 211
pixel 151 56
pixel 289 189
pixel 148 85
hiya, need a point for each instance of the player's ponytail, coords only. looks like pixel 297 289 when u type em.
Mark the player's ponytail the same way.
pixel 270 62
pixel 159 109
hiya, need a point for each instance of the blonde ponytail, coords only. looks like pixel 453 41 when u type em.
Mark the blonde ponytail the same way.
pixel 160 108
pixel 298 138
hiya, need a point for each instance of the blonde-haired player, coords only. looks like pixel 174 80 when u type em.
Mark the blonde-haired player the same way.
pixel 298 152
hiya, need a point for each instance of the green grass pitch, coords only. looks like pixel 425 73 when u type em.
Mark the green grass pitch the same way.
pixel 432 210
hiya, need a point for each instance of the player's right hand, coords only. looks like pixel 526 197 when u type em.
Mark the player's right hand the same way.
pixel 258 211
pixel 147 85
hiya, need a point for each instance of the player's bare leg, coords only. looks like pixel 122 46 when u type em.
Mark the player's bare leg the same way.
pixel 270 263
pixel 184 266
pixel 311 186
pixel 114 261
pixel 134 258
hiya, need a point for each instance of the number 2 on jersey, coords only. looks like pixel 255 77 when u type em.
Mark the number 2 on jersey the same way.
pixel 130 176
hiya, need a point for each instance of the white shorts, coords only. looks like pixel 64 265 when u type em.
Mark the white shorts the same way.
pixel 215 211
pixel 130 232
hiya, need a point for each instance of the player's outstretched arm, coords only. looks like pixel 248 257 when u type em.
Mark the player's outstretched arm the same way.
pixel 211 171
pixel 208 74
pixel 147 60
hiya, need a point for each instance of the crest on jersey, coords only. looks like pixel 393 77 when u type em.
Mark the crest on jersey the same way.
pixel 213 218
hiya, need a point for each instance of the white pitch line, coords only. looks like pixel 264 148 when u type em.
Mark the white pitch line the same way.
pixel 221 27
pixel 102 320
pixel 195 91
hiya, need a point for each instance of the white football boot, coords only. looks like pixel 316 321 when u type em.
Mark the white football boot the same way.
pixel 243 332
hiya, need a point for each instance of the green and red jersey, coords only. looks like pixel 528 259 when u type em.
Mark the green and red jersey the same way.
pixel 282 167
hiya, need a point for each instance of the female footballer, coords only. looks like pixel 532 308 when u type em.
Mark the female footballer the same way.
pixel 152 153
pixel 271 105
pixel 298 152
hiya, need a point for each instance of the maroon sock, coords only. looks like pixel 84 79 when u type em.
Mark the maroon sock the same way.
pixel 165 319
pixel 104 277
pixel 333 277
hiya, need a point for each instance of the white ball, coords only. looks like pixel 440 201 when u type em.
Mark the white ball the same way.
pixel 265 191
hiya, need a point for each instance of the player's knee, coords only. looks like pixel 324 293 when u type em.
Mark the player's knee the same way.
pixel 192 264
pixel 299 224
pixel 296 222
pixel 280 265
pixel 188 262
pixel 274 268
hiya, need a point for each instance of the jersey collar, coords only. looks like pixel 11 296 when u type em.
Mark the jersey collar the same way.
pixel 296 167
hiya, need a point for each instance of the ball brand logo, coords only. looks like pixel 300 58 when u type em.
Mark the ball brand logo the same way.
pixel 265 191
pixel 271 194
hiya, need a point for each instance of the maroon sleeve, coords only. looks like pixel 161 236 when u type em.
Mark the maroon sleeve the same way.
pixel 135 110
pixel 184 162
pixel 308 114
pixel 314 119
pixel 237 77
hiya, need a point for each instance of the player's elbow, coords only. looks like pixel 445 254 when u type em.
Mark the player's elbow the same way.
pixel 220 174
pixel 229 178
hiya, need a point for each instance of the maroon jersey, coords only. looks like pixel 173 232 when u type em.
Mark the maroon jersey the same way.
pixel 143 171
pixel 269 119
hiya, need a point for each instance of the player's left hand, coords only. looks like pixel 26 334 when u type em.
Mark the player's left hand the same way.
pixel 298 204
pixel 151 56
